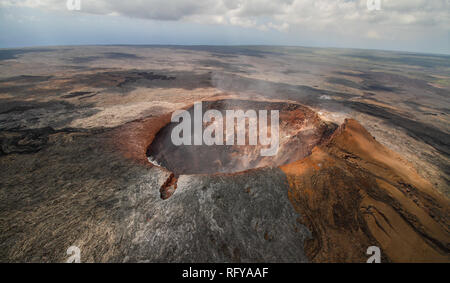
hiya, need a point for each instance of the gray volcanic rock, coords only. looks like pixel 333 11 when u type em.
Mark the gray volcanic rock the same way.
pixel 235 218
pixel 74 192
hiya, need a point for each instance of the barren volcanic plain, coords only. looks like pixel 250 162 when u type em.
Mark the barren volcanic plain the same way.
pixel 364 156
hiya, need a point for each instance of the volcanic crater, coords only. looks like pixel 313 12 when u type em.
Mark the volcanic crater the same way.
pixel 300 130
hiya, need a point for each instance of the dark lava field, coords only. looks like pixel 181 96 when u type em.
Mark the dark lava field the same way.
pixel 364 159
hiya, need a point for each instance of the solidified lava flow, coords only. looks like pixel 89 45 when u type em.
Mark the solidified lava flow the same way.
pixel 300 130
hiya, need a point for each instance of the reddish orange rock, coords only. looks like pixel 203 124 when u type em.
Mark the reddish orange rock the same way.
pixel 362 195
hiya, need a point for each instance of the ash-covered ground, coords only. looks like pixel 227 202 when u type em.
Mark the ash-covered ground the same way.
pixel 74 122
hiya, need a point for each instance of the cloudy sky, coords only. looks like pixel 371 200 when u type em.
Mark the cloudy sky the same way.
pixel 409 25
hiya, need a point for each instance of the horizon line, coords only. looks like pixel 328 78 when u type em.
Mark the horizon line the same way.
pixel 229 45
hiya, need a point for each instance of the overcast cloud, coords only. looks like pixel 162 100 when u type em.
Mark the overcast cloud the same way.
pixel 398 20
